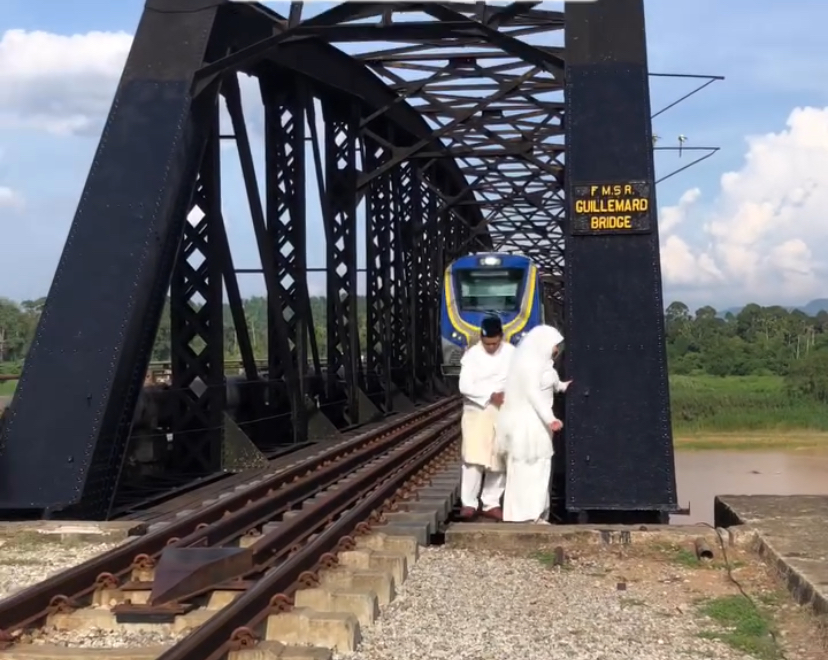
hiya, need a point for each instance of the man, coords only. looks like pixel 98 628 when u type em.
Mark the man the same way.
pixel 483 372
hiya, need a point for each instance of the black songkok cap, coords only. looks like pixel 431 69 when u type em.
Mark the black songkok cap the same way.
pixel 491 326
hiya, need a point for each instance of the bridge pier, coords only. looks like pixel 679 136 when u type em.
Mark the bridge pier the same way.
pixel 618 436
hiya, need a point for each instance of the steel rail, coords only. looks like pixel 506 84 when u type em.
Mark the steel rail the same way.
pixel 31 605
pixel 266 509
pixel 356 502
pixel 288 537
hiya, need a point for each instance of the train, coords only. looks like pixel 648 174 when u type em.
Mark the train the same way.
pixel 509 285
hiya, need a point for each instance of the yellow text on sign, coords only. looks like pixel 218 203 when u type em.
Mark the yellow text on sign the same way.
pixel 610 206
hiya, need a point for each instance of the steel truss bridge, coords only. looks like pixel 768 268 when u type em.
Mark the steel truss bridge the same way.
pixel 448 124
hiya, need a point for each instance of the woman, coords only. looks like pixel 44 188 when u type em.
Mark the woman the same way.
pixel 525 425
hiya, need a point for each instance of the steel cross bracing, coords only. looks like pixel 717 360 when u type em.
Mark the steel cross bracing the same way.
pixel 448 140
pixel 489 80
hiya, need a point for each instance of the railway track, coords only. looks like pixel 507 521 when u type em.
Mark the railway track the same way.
pixel 163 507
pixel 229 574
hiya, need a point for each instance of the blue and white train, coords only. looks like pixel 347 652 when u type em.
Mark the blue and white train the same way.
pixel 509 285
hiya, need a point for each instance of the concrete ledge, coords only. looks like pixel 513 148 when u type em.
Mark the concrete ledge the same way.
pixel 418 531
pixel 527 536
pixel 790 533
pixel 111 531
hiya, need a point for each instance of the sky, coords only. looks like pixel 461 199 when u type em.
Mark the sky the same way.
pixel 746 225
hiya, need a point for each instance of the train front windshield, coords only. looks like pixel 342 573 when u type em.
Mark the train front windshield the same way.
pixel 483 290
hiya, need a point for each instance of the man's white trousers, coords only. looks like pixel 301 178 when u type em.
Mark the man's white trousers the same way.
pixel 477 482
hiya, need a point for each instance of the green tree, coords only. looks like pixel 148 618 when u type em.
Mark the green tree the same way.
pixel 810 377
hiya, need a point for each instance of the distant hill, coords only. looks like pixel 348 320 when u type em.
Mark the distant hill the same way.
pixel 815 307
pixel 811 309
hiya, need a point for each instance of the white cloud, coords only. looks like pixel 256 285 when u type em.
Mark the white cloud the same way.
pixel 10 199
pixel 764 234
pixel 64 85
pixel 60 84
pixel 672 216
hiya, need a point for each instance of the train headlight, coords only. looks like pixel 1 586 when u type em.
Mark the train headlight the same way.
pixel 490 261
pixel 455 335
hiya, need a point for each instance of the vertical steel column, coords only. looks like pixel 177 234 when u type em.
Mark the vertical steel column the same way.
pixel 275 292
pixel 341 133
pixel 438 256
pixel 402 272
pixel 424 303
pixel 379 299
pixel 396 310
pixel 197 327
pixel 414 267
pixel 286 229
pixel 443 228
pixel 618 437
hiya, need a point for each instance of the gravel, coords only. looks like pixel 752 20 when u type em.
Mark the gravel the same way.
pixel 464 605
pixel 98 638
pixel 30 558
pixel 27 559
pixel 461 605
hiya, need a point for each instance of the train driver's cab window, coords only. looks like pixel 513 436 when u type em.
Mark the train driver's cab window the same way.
pixel 484 289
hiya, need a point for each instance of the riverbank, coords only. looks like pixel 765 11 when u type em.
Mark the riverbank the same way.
pixel 710 405
pixel 794 440
pixel 750 413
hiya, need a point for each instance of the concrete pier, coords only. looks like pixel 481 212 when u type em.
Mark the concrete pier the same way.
pixel 790 532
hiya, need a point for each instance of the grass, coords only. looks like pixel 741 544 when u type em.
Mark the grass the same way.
pixel 759 404
pixel 744 413
pixel 742 626
pixel 753 441
pixel 7 387
pixel 550 559
pixel 686 556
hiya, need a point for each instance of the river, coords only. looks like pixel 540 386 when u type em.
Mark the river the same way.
pixel 701 475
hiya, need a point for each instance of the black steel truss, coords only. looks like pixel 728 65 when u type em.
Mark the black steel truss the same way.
pixel 490 93
pixel 370 151
pixel 452 140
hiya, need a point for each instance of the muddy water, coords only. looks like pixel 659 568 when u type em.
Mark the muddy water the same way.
pixel 701 475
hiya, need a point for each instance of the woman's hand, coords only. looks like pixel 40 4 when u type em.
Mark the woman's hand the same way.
pixel 564 385
pixel 556 426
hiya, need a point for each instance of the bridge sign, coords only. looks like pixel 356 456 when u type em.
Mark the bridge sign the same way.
pixel 611 208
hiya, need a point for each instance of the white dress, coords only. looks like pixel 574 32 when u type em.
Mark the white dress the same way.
pixel 529 451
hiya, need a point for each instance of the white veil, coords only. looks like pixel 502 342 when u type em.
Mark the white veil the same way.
pixel 518 425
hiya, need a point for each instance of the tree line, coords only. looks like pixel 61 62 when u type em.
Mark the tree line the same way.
pixel 754 341
pixel 18 322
